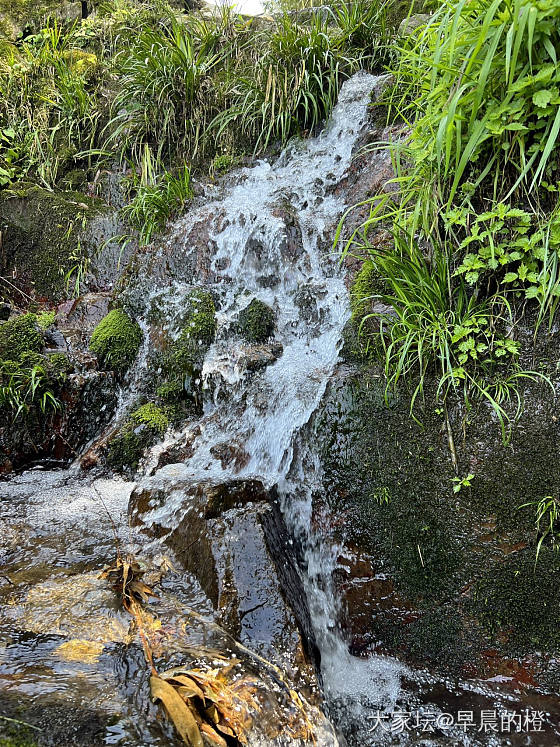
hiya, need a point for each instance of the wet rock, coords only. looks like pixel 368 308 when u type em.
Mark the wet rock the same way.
pixel 231 455
pixel 255 357
pixel 438 577
pixel 41 233
pixel 78 318
pixel 55 341
pixel 179 451
pixel 256 321
pixel 233 538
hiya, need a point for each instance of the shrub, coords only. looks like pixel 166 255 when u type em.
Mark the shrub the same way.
pixel 116 340
pixel 24 387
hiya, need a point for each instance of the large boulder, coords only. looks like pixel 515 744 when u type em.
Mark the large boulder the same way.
pixel 47 235
pixel 233 538
pixel 444 578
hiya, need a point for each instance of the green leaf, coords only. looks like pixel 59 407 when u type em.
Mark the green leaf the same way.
pixel 542 98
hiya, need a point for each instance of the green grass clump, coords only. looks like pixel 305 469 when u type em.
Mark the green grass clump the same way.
pixel 19 336
pixel 289 85
pixel 157 199
pixel 116 340
pixel 256 321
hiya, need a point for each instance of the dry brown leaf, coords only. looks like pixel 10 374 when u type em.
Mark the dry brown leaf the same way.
pixel 215 738
pixel 186 683
pixel 177 710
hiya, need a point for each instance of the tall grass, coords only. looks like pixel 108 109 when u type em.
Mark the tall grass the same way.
pixel 160 82
pixel 48 101
pixel 157 197
pixel 290 81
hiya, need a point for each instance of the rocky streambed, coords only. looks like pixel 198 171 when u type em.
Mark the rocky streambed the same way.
pixel 300 532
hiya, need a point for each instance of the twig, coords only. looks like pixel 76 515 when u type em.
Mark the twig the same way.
pixel 21 723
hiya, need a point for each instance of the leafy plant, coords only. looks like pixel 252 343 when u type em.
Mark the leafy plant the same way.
pixel 22 388
pixel 462 482
pixel 158 197
pixel 477 99
pixel 547 522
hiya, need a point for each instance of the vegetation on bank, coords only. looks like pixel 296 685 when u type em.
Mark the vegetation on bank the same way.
pixel 167 92
pixel 473 214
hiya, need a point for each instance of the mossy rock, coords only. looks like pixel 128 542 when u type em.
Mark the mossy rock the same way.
pixel 256 321
pixel 463 561
pixel 152 416
pixel 362 341
pixel 116 340
pixel 363 288
pixel 44 237
pixel 141 430
pixel 19 336
pixel 17 15
pixel 519 601
pixel 197 333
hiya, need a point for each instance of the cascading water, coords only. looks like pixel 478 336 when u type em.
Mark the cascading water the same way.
pixel 256 257
pixel 265 411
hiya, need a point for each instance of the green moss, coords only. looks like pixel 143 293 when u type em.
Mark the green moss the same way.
pixel 116 340
pixel 152 416
pixel 33 14
pixel 221 164
pixel 16 735
pixel 46 319
pixel 363 288
pixel 197 334
pixel 362 340
pixel 171 391
pixel 125 449
pixel 519 601
pixel 59 366
pixel 256 321
pixel 19 336
pixel 141 430
pixel 45 236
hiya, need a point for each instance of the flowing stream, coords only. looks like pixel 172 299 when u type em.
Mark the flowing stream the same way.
pixel 270 230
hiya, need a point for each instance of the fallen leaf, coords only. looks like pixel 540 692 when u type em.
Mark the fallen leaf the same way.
pixel 215 738
pixel 177 711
